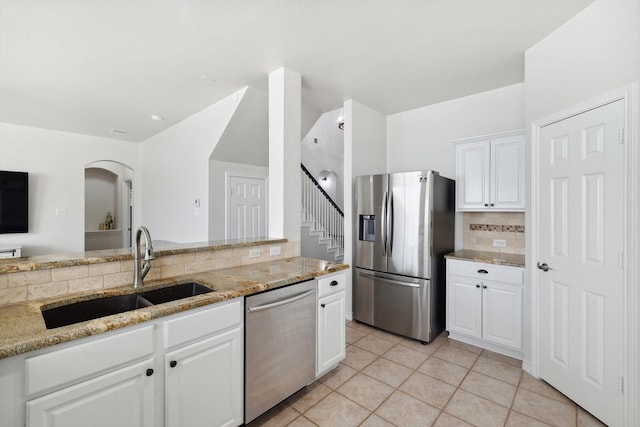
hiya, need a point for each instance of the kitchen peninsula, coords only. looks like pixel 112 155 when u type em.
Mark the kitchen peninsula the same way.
pixel 42 369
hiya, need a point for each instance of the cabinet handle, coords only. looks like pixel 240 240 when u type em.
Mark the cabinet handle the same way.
pixel 492 205
pixel 149 372
pixel 478 286
pixel 486 205
pixel 173 363
pixel 333 283
pixel 484 286
pixel 322 305
pixel 483 271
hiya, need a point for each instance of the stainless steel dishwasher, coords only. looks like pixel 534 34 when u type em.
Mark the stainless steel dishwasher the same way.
pixel 280 345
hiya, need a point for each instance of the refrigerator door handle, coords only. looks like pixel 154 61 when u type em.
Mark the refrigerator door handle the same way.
pixel 393 282
pixel 383 225
pixel 390 224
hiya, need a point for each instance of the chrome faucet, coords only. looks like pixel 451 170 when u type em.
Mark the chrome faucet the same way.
pixel 138 271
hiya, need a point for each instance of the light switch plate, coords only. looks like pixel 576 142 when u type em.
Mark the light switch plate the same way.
pixel 500 243
pixel 275 250
pixel 254 253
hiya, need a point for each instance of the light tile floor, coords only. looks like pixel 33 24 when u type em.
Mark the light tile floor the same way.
pixel 387 380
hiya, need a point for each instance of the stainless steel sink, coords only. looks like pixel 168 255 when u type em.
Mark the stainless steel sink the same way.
pixel 175 292
pixel 92 309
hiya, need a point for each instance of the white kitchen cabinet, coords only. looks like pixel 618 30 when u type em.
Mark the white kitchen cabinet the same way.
pixel 124 397
pixel 484 305
pixel 204 380
pixel 126 378
pixel 103 381
pixel 490 173
pixel 331 338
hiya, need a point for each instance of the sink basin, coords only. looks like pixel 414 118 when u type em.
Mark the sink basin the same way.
pixel 100 307
pixel 91 309
pixel 175 292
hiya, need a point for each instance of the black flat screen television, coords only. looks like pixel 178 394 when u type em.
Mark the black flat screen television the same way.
pixel 14 202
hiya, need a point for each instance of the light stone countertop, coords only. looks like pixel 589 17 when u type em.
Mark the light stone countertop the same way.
pixel 22 327
pixel 496 258
pixel 42 262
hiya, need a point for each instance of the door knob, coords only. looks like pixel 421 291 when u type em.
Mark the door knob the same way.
pixel 544 266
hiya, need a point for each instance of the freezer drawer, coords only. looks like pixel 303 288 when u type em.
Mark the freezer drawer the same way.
pixel 406 306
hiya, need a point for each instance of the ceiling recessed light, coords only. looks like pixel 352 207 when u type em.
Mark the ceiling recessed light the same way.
pixel 156 117
pixel 120 131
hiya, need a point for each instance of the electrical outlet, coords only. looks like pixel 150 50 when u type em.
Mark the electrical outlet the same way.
pixel 254 253
pixel 61 211
pixel 500 243
pixel 275 250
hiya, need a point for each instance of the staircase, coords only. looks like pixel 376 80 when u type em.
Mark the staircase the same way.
pixel 322 229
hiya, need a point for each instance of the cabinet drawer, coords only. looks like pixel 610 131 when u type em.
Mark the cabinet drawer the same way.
pixel 484 271
pixel 330 284
pixel 202 323
pixel 69 365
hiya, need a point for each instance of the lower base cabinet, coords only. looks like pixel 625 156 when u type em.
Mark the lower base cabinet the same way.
pixel 484 305
pixel 183 370
pixel 331 331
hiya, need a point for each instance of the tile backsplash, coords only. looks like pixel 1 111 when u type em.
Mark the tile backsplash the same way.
pixel 481 228
pixel 31 285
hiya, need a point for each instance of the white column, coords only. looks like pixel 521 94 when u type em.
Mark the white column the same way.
pixel 284 154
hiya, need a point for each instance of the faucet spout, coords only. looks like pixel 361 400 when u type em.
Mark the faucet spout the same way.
pixel 140 271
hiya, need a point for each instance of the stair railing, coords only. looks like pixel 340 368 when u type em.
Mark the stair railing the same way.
pixel 318 206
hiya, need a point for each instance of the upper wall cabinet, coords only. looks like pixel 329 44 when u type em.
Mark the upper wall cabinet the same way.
pixel 490 173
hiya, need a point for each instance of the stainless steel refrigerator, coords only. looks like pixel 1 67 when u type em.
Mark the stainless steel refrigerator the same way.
pixel 405 226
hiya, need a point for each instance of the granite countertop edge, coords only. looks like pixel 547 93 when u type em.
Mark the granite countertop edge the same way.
pixel 43 262
pixel 488 257
pixel 22 327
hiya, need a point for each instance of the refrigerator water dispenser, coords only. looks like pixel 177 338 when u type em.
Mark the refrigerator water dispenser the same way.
pixel 367 228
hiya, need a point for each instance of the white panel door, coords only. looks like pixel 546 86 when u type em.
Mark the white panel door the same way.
pixel 473 175
pixel 203 382
pixel 121 398
pixel 502 313
pixel 331 332
pixel 247 208
pixel 464 306
pixel 507 173
pixel 580 236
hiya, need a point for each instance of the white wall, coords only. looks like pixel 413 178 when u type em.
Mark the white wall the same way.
pixel 218 173
pixel 596 51
pixel 420 139
pixel 55 161
pixel 285 112
pixel 365 133
pixel 327 153
pixel 175 172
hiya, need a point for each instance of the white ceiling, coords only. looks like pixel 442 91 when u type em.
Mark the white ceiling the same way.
pixel 94 65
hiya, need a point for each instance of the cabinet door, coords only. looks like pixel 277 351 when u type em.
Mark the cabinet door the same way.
pixel 473 176
pixel 507 173
pixel 203 382
pixel 331 332
pixel 121 398
pixel 502 314
pixel 464 306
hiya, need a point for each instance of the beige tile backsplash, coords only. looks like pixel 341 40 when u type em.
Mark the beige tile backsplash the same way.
pixel 31 285
pixel 479 229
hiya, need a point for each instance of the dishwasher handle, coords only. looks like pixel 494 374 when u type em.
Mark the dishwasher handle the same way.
pixel 280 303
